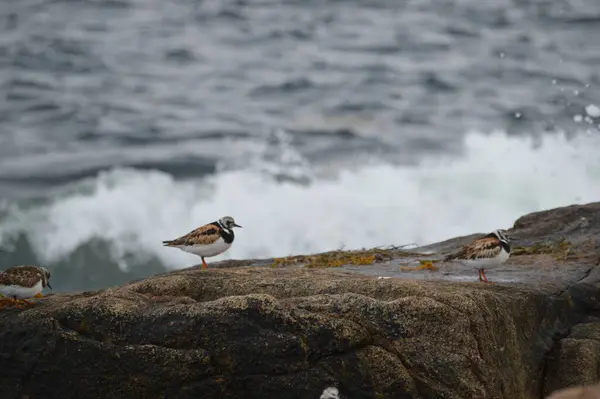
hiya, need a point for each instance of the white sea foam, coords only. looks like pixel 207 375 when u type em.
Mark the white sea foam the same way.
pixel 498 179
pixel 593 110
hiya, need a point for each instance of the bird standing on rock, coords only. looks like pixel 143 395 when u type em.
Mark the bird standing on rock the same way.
pixel 486 252
pixel 209 240
pixel 18 283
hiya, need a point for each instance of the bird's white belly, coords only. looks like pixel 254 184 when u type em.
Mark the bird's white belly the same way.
pixel 12 291
pixel 207 250
pixel 489 263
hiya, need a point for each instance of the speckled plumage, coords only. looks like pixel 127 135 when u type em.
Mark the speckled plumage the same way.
pixel 209 240
pixel 25 281
pixel 483 248
pixel 488 251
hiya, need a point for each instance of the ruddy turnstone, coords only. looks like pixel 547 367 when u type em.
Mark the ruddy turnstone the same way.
pixel 20 282
pixel 485 252
pixel 209 240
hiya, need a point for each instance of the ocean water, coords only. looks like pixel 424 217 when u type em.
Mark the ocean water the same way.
pixel 317 125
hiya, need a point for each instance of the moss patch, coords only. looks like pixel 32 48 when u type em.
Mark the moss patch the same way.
pixel 562 250
pixel 340 258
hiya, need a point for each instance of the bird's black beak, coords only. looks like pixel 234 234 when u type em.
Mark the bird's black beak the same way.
pixel 237 225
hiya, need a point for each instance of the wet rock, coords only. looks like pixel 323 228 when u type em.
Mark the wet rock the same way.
pixel 248 329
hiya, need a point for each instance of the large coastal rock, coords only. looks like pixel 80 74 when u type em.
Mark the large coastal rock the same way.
pixel 383 323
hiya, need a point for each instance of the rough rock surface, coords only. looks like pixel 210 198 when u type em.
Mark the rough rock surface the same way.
pixel 244 329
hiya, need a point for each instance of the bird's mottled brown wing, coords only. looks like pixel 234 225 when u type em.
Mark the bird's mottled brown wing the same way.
pixel 5 279
pixel 487 247
pixel 204 235
pixel 25 277
pixel 21 268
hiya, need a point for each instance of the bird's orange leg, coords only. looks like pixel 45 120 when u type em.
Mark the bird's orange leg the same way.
pixel 17 303
pixel 22 303
pixel 204 265
pixel 485 279
pixel 4 302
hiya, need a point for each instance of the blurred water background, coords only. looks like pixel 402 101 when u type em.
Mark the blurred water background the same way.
pixel 316 124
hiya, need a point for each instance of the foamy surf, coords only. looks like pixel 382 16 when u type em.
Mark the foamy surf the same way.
pixel 497 179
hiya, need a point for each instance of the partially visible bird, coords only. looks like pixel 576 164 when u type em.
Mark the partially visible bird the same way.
pixel 330 393
pixel 209 240
pixel 486 252
pixel 18 283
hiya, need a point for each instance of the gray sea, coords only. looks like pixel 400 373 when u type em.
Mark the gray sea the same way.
pixel 316 124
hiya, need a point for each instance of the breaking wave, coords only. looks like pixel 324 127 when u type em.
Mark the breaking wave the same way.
pixel 497 179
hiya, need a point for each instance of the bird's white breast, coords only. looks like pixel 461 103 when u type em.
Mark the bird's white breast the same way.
pixel 12 291
pixel 489 262
pixel 207 250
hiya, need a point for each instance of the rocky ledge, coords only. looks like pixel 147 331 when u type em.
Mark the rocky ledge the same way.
pixel 383 323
